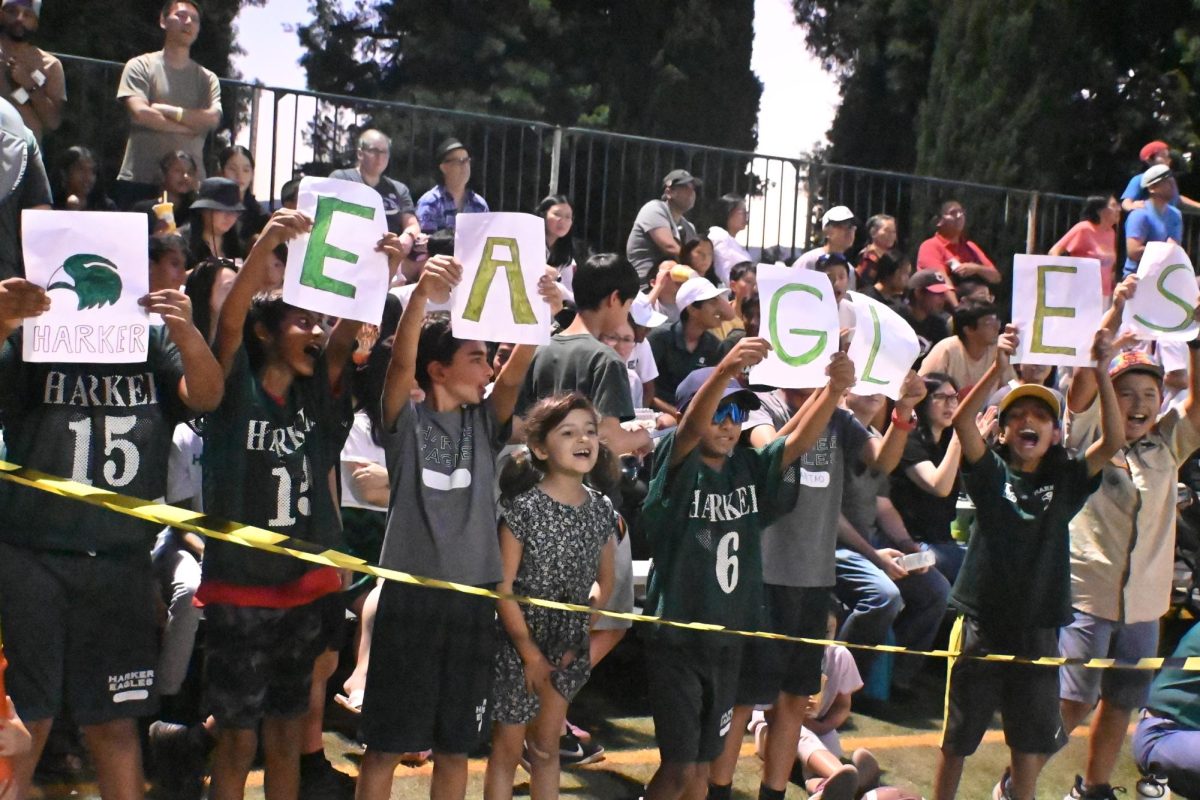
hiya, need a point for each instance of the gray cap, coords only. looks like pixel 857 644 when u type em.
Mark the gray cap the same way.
pixel 681 177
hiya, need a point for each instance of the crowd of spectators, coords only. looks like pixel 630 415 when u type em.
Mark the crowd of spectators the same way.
pixel 1045 494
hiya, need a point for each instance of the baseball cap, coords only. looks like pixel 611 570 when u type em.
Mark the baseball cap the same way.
pixel 931 280
pixel 1148 151
pixel 1036 391
pixel 218 194
pixel 681 177
pixel 1155 174
pixel 644 314
pixel 33 5
pixel 697 290
pixel 688 387
pixel 1134 361
pixel 837 214
pixel 448 145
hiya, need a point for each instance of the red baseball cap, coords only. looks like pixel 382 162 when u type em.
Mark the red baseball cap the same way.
pixel 931 280
pixel 1148 152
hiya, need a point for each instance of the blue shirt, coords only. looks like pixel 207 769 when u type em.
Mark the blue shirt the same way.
pixel 1146 225
pixel 1134 191
pixel 436 210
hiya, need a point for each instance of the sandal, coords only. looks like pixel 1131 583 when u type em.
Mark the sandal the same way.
pixel 352 702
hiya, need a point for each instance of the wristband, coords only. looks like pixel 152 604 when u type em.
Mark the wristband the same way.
pixel 904 424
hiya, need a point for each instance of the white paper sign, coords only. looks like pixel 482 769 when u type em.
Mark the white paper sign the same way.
pixel 503 256
pixel 1162 307
pixel 1057 306
pixel 800 319
pixel 336 269
pixel 95 268
pixel 883 349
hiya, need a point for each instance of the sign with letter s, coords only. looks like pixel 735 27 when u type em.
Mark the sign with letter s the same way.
pixel 1057 306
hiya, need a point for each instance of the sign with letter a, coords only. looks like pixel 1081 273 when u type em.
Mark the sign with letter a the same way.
pixel 336 269
pixel 95 268
pixel 1057 307
pixel 503 256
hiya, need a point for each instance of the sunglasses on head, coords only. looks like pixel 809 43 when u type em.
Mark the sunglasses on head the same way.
pixel 732 412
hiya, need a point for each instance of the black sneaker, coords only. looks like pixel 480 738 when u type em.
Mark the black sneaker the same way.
pixel 320 780
pixel 179 759
pixel 572 752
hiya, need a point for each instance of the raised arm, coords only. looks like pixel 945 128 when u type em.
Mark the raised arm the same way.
pixel 700 410
pixel 203 383
pixel 1082 392
pixel 973 444
pixel 883 455
pixel 508 383
pixel 1191 404
pixel 441 274
pixel 284 225
pixel 810 421
pixel 1112 427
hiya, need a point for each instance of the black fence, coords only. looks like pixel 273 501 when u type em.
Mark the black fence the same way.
pixel 607 175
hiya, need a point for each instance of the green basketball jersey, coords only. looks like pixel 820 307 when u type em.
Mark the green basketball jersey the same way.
pixel 705 528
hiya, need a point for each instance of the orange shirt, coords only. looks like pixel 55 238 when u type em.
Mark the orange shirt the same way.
pixel 1088 240
pixel 937 252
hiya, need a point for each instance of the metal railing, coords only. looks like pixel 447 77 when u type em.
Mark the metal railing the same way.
pixel 607 175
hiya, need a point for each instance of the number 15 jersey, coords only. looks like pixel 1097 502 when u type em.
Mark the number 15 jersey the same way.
pixel 107 425
pixel 705 527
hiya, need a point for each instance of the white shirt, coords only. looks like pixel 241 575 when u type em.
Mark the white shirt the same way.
pixel 727 251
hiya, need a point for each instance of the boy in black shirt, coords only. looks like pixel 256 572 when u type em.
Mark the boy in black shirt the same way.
pixel 1013 592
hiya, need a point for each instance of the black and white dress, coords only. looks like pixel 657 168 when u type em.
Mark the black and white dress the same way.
pixel 561 558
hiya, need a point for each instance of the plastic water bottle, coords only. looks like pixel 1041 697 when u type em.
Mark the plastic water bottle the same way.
pixel 1153 787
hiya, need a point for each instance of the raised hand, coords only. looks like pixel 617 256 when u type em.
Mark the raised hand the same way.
pixel 20 298
pixel 912 391
pixel 840 372
pixel 283 226
pixel 172 305
pixel 745 354
pixel 438 277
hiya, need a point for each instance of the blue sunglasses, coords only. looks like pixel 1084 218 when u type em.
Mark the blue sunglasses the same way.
pixel 732 412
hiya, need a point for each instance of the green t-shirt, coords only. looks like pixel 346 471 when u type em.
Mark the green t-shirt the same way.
pixel 705 527
pixel 1176 693
pixel 267 463
pixel 107 425
pixel 1017 572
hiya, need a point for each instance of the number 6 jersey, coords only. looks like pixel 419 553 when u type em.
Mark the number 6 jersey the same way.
pixel 108 425
pixel 705 527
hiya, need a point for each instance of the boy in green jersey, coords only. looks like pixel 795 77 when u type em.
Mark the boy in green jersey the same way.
pixel 708 503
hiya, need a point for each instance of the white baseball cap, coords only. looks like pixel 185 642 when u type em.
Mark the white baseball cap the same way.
pixel 1155 174
pixel 697 290
pixel 644 314
pixel 837 214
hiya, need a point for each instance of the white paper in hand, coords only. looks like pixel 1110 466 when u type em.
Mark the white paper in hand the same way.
pixel 1163 307
pixel 503 256
pixel 800 319
pixel 883 349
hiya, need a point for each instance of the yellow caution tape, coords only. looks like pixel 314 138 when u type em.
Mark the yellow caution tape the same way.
pixel 271 542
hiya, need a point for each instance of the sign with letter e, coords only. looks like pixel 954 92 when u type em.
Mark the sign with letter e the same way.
pixel 335 269
pixel 95 267
pixel 1057 307
pixel 503 256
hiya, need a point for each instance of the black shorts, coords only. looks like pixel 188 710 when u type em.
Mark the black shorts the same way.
pixel 691 698
pixel 259 661
pixel 79 630
pixel 430 675
pixel 1027 696
pixel 768 667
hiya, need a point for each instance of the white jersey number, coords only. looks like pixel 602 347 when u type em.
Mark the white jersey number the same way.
pixel 283 497
pixel 122 458
pixel 727 562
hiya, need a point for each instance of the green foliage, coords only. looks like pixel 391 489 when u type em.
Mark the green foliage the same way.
pixel 1049 94
pixel 97 282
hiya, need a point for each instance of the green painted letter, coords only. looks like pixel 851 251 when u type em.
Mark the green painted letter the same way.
pixel 313 272
pixel 1041 311
pixel 1172 298
pixel 521 309
pixel 822 336
pixel 875 345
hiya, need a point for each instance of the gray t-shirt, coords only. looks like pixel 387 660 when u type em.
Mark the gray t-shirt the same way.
pixel 640 249
pixel 397 199
pixel 579 363
pixel 442 523
pixel 798 548
pixel 23 184
pixel 147 76
pixel 863 486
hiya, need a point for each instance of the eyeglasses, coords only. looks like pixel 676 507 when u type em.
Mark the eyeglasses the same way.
pixel 732 412
pixel 374 151
pixel 945 397
pixel 460 162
